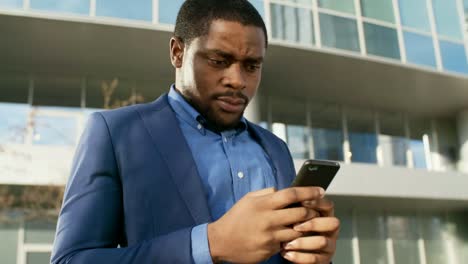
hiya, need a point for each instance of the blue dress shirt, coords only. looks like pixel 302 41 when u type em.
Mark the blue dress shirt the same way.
pixel 230 163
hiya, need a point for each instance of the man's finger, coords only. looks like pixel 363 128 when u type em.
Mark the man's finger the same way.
pixel 292 216
pixel 324 206
pixel 311 243
pixel 320 225
pixel 306 257
pixel 263 192
pixel 285 197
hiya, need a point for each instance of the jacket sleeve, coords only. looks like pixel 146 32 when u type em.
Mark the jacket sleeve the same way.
pixel 90 226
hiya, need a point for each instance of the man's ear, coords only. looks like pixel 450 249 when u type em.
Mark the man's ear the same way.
pixel 177 48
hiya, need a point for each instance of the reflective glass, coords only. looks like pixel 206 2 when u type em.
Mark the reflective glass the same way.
pixel 419 49
pixel 300 2
pixel 346 6
pixel 362 136
pixel 13 127
pixel 137 9
pixel 327 131
pixel 40 231
pixel 168 10
pixel 391 139
pixel 11 3
pixel 381 41
pixel 258 4
pixel 344 247
pixel 37 257
pixel 70 6
pixel 414 14
pixel 292 24
pixel 447 18
pixel 434 241
pixel 372 238
pixel 419 154
pixel 298 141
pixel 381 9
pixel 9 244
pixel 54 129
pixel 328 143
pixel 403 231
pixel 339 32
pixel 453 57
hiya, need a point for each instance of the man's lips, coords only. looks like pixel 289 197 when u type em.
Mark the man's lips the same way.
pixel 231 104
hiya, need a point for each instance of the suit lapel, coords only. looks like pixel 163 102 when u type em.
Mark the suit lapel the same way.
pixel 168 139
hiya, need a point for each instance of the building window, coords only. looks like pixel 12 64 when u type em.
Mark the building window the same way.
pixel 37 257
pixel 419 49
pixel 372 236
pixel 258 4
pixel 414 14
pixel 168 10
pixel 11 3
pixel 381 41
pixel 362 136
pixel 345 6
pixel 137 9
pixel 327 132
pixel 380 10
pixel 13 128
pixel 403 230
pixel 392 141
pixel 453 57
pixel 339 32
pixel 292 24
pixel 344 245
pixel 8 247
pixel 68 6
pixel 447 18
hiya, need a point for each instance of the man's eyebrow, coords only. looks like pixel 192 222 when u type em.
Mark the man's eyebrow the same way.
pixel 231 56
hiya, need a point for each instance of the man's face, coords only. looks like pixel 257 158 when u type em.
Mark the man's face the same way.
pixel 219 73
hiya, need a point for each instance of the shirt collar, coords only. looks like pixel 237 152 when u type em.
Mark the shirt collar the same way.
pixel 191 116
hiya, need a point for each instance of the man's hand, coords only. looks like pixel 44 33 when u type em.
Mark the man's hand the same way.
pixel 257 225
pixel 320 247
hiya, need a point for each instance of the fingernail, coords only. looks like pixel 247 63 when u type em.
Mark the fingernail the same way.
pixel 288 255
pixel 322 192
pixel 300 227
pixel 290 245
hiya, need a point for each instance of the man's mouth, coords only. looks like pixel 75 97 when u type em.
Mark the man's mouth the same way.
pixel 231 104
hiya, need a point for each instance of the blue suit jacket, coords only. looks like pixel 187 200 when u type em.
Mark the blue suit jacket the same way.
pixel 134 184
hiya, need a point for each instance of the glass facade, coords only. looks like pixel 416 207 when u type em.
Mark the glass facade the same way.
pixel 447 20
pixel 380 10
pixel 346 6
pixel 372 235
pixel 67 6
pixel 292 24
pixel 454 57
pixel 168 11
pixel 137 9
pixel 381 41
pixel 11 3
pixel 339 32
pixel 419 49
pixel 414 14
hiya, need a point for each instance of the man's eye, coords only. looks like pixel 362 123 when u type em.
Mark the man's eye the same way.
pixel 218 62
pixel 253 67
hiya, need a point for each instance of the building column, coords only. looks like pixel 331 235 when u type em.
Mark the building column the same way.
pixel 252 112
pixel 462 129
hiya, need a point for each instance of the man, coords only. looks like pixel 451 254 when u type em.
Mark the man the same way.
pixel 186 179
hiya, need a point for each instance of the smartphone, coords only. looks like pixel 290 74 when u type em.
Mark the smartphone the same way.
pixel 318 173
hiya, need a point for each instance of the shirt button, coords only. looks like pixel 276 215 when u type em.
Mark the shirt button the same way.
pixel 200 126
pixel 225 139
pixel 240 174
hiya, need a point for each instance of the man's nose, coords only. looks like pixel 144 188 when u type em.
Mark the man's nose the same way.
pixel 235 77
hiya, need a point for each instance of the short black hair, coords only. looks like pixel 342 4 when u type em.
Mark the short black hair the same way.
pixel 195 17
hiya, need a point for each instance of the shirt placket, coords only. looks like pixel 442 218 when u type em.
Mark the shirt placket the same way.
pixel 240 182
